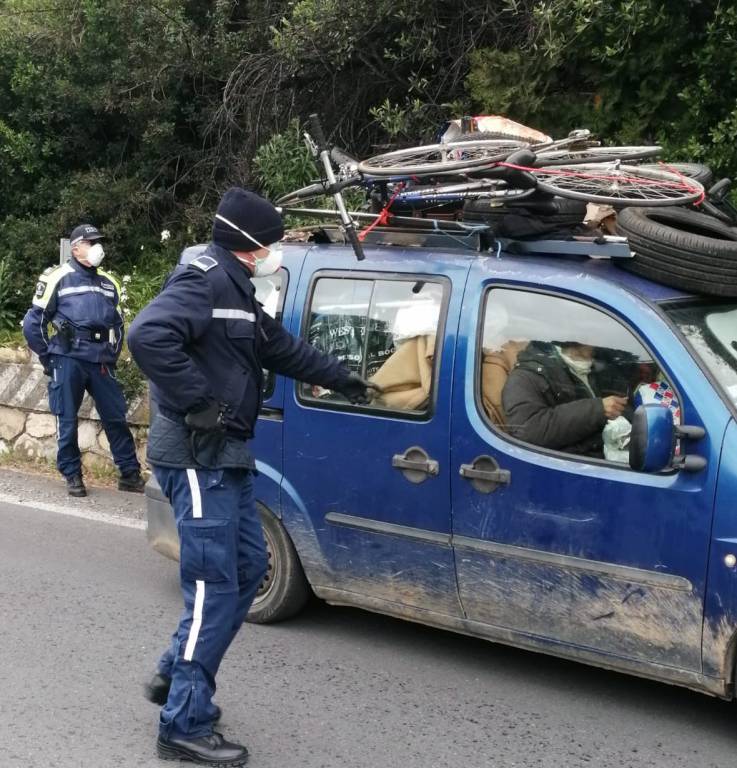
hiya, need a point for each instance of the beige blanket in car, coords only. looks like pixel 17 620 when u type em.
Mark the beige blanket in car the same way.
pixel 496 367
pixel 406 377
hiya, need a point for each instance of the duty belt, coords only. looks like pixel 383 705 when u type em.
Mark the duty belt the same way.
pixel 93 334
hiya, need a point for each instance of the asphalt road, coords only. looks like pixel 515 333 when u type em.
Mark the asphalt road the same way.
pixel 85 607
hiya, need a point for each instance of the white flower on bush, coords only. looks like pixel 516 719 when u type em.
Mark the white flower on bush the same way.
pixel 126 278
pixel 165 235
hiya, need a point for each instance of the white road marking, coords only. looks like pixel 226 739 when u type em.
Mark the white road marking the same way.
pixel 85 514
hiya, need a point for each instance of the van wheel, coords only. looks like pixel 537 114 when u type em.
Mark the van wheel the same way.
pixel 284 590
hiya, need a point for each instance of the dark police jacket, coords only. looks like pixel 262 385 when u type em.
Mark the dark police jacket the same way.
pixel 547 405
pixel 85 300
pixel 205 338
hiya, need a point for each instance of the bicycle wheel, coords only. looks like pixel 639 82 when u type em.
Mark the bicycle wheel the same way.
pixel 486 188
pixel 438 158
pixel 626 185
pixel 593 155
pixel 702 173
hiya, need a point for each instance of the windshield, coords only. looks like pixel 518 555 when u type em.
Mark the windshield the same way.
pixel 712 330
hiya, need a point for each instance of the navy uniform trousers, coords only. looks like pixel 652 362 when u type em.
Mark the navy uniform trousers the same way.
pixel 223 562
pixel 70 378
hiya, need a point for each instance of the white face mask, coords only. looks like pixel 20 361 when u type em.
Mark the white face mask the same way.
pixel 95 255
pixel 264 266
pixel 579 367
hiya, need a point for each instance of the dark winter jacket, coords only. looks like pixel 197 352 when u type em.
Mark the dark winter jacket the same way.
pixel 205 338
pixel 547 405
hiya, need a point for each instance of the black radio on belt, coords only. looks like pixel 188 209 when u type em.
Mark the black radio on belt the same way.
pixel 64 333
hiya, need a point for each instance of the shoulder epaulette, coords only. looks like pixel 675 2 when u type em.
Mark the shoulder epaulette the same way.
pixel 111 278
pixel 204 263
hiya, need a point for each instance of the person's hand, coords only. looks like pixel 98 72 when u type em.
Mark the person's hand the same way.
pixel 614 406
pixel 206 420
pixel 357 390
pixel 46 365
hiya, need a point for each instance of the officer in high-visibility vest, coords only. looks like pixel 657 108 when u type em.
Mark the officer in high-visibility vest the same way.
pixel 80 302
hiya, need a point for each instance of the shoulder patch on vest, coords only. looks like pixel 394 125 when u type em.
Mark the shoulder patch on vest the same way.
pixel 204 263
pixel 48 282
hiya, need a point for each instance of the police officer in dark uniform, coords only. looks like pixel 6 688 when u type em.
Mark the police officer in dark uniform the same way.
pixel 80 302
pixel 204 342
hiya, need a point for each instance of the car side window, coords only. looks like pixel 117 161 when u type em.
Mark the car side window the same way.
pixel 562 375
pixel 270 292
pixel 384 330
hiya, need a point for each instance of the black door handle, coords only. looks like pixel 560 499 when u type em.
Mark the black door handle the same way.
pixel 416 465
pixel 485 474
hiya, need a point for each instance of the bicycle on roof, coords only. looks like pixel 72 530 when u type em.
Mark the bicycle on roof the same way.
pixel 472 166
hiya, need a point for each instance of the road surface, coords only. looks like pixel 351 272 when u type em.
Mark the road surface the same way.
pixel 85 607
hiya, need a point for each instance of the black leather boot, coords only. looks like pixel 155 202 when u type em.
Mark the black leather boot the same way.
pixel 132 481
pixel 207 750
pixel 75 486
pixel 156 690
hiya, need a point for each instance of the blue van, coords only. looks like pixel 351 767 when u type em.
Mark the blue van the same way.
pixel 450 502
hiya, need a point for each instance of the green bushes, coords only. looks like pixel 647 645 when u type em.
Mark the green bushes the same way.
pixel 137 116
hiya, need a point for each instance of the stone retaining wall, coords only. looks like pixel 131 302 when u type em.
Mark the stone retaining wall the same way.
pixel 28 429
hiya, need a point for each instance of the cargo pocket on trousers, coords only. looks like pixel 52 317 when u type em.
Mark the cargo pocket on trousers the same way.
pixel 55 395
pixel 208 550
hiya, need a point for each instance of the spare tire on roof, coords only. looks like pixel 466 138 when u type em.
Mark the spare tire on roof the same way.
pixel 681 248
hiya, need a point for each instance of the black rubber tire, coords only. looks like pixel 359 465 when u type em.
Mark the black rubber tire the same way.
pixel 289 591
pixel 681 248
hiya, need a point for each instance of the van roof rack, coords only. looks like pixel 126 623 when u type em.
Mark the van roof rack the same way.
pixel 409 237
pixel 409 231
pixel 484 241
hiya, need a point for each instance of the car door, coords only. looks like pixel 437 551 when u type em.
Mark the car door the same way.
pixel 556 547
pixel 367 488
pixel 276 294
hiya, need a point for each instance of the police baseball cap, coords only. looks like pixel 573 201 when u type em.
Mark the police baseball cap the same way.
pixel 85 232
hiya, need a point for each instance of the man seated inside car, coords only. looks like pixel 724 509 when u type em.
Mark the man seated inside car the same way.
pixel 560 395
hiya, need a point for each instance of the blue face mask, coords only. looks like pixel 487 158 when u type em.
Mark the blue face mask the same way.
pixel 265 265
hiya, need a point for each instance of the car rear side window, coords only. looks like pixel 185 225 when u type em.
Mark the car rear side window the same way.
pixel 560 374
pixel 384 330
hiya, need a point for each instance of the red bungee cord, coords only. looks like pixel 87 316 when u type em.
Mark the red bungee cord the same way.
pixel 383 217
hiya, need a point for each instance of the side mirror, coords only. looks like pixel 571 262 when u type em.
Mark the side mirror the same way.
pixel 653 441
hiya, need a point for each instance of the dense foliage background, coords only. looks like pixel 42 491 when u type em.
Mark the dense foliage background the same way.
pixel 137 115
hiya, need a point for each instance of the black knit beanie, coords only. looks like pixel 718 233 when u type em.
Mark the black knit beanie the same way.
pixel 250 213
